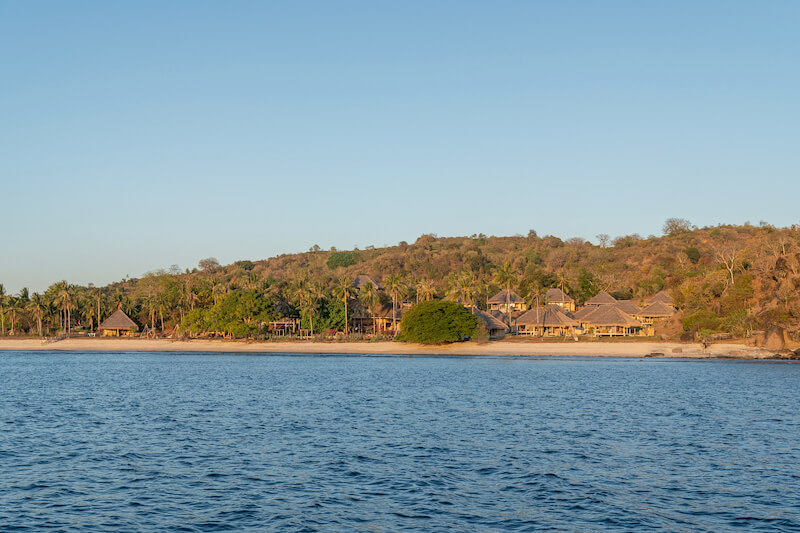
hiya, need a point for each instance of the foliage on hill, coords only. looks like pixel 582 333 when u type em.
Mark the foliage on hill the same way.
pixel 436 322
pixel 723 279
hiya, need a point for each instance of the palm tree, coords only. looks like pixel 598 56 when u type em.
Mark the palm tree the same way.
pixel 369 297
pixel 394 284
pixel 3 309
pixel 13 307
pixel 426 290
pixel 343 289
pixel 63 300
pixel 505 277
pixel 35 307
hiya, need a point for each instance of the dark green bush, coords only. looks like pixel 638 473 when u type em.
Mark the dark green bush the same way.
pixel 437 322
pixel 342 259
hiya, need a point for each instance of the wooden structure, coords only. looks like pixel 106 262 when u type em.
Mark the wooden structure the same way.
pixel 283 327
pixel 363 279
pixel 494 326
pixel 118 325
pixel 627 306
pixel 662 297
pixel 507 302
pixel 547 321
pixel 601 298
pixel 609 320
pixel 560 298
pixel 653 313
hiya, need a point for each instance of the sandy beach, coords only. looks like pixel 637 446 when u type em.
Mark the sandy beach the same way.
pixel 502 347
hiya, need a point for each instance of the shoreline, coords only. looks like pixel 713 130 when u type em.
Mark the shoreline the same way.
pixel 492 348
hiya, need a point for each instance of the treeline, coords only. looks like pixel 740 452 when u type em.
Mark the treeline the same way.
pixel 732 279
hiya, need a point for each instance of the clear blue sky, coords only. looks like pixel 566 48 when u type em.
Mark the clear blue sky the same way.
pixel 137 135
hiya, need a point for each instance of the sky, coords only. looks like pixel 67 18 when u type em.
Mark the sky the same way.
pixel 135 135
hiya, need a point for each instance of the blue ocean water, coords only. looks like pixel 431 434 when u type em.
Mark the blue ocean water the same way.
pixel 196 442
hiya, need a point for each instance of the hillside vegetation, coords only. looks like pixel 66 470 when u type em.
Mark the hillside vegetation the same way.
pixel 728 279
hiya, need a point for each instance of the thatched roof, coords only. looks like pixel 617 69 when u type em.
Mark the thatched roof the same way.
pixel 662 297
pixel 584 312
pixel 363 279
pixel 547 316
pixel 610 315
pixel 656 310
pixel 491 323
pixel 557 296
pixel 385 311
pixel 500 297
pixel 118 320
pixel 627 306
pixel 601 298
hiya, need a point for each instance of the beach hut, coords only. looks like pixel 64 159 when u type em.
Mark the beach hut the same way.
pixel 118 325
pixel 547 321
pixel 653 313
pixel 601 298
pixel 609 320
pixel 362 279
pixel 495 327
pixel 627 306
pixel 559 298
pixel 662 297
pixel 507 301
pixel 383 317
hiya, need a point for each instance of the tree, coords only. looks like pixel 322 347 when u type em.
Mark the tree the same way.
pixel 394 285
pixel 342 259
pixel 505 277
pixel 35 306
pixel 675 226
pixel 209 264
pixel 730 257
pixel 343 289
pixel 369 298
pixel 426 290
pixel 3 309
pixel 437 321
pixel 603 239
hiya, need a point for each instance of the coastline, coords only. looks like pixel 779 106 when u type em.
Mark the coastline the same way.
pixel 491 348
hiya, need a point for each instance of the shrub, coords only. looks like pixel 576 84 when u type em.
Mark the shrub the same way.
pixel 436 322
pixel 342 259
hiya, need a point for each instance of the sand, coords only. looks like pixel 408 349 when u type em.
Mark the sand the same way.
pixel 512 346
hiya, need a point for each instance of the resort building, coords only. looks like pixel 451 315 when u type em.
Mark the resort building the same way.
pixel 547 321
pixel 662 297
pixel 601 298
pixel 627 306
pixel 609 320
pixel 363 279
pixel 507 302
pixel 118 325
pixel 653 313
pixel 559 298
pixel 494 326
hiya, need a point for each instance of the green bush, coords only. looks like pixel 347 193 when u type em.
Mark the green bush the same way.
pixel 703 319
pixel 342 259
pixel 437 322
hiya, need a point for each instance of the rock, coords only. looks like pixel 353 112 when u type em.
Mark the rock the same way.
pixel 775 338
pixel 664 337
pixel 677 350
pixel 687 336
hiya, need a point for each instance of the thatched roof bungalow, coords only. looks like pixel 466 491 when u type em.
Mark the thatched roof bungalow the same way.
pixel 507 301
pixel 560 298
pixel 653 313
pixel 494 326
pixel 661 296
pixel 118 325
pixel 548 321
pixel 601 298
pixel 610 320
pixel 363 279
pixel 627 306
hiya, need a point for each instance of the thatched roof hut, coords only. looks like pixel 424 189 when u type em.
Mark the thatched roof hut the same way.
pixel 118 325
pixel 557 296
pixel 549 316
pixel 661 296
pixel 494 326
pixel 656 310
pixel 627 306
pixel 362 279
pixel 610 315
pixel 601 298
pixel 500 297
